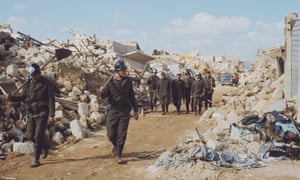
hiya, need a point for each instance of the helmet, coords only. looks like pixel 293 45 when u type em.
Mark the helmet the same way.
pixel 154 70
pixel 34 69
pixel 187 73
pixel 120 65
pixel 198 74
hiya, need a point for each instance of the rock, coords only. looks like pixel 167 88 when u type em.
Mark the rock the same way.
pixel 84 98
pixel 260 106
pixel 68 85
pixel 23 147
pixel 218 116
pixel 57 138
pixel 277 106
pixel 94 107
pixel 83 109
pixel 12 70
pixel 59 115
pixel 83 121
pixel 58 106
pixel 77 130
pixel 76 91
pixel 98 117
pixel 7 147
pixel 207 114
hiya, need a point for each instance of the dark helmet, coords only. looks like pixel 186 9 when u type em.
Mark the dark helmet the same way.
pixel 120 65
pixel 34 69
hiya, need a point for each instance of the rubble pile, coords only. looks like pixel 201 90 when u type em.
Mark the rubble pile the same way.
pixel 227 141
pixel 77 77
pixel 174 63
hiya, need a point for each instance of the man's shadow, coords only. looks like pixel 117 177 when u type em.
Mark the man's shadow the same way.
pixel 129 157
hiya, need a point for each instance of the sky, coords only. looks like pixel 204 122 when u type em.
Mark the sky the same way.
pixel 237 28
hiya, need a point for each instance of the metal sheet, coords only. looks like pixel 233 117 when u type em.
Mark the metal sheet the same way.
pixel 295 57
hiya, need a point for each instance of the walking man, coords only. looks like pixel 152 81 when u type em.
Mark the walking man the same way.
pixel 188 81
pixel 120 95
pixel 177 92
pixel 164 92
pixel 209 89
pixel 152 84
pixel 198 93
pixel 39 96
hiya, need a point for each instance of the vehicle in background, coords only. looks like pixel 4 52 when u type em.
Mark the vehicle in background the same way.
pixel 225 79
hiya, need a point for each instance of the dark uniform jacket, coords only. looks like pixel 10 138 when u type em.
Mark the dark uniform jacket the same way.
pixel 188 85
pixel 120 95
pixel 39 97
pixel 177 89
pixel 209 84
pixel 164 88
pixel 198 88
pixel 152 82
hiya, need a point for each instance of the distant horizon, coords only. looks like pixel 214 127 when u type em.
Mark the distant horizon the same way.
pixel 239 28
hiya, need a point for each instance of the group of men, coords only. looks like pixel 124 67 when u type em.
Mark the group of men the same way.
pixel 193 91
pixel 38 94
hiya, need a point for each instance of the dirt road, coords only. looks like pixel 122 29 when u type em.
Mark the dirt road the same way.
pixel 90 158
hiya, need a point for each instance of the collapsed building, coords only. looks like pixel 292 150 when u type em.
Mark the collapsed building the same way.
pixel 257 123
pixel 78 68
pixel 79 109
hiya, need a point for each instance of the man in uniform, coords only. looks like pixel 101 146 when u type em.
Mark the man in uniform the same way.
pixel 164 92
pixel 152 84
pixel 120 95
pixel 209 89
pixel 177 92
pixel 198 93
pixel 39 96
pixel 188 80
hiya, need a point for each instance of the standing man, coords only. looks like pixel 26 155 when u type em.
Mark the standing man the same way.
pixel 198 93
pixel 188 81
pixel 152 84
pixel 39 96
pixel 209 89
pixel 164 92
pixel 120 94
pixel 177 92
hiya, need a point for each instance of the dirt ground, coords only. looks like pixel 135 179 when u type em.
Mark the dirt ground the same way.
pixel 152 134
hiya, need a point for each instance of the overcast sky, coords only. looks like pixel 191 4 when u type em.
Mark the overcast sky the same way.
pixel 237 27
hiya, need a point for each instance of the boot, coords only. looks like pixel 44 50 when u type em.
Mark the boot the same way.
pixel 119 150
pixel 45 151
pixel 36 162
pixel 163 110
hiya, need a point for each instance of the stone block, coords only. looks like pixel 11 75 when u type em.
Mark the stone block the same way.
pixel 76 129
pixel 23 147
pixel 83 109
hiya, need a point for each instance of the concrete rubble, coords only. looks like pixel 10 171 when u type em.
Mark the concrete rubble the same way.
pixel 78 76
pixel 80 111
pixel 270 134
